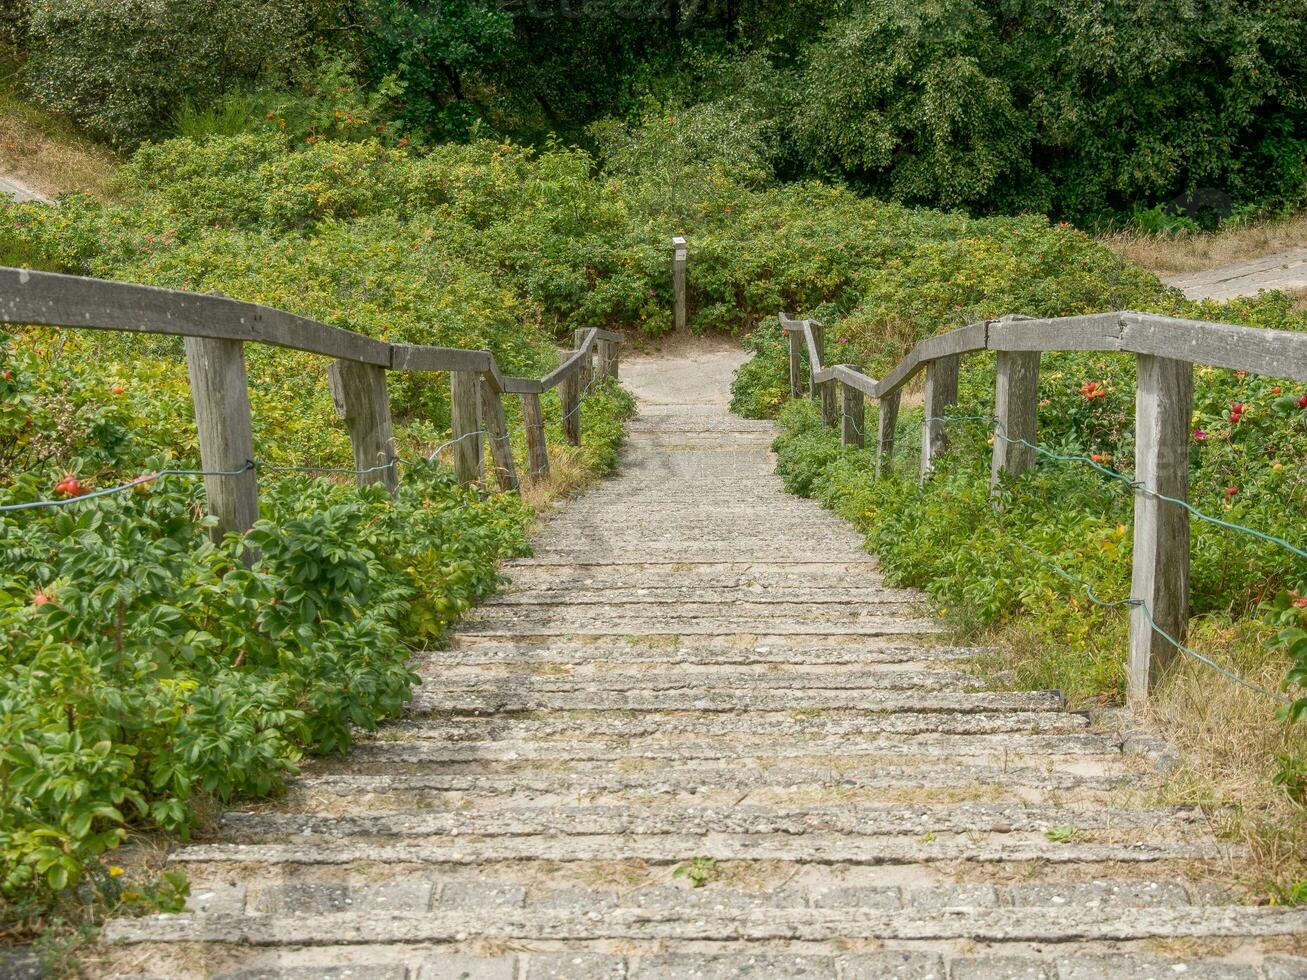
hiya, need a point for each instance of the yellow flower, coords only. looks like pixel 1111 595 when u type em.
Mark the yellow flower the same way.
pixel 114 871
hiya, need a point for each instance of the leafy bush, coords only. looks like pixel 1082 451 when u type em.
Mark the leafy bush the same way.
pixel 121 69
pixel 1066 518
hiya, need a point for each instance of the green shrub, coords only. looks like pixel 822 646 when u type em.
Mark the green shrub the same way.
pixel 1068 519
pixel 122 68
pixel 144 664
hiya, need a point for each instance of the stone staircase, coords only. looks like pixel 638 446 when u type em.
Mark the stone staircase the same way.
pixel 698 737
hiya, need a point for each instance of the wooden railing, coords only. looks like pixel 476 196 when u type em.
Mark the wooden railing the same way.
pixel 1166 349
pixel 216 328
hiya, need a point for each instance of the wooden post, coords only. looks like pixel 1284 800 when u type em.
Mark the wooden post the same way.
pixel 889 419
pixel 796 363
pixel 1016 410
pixel 818 341
pixel 587 362
pixel 680 319
pixel 465 423
pixel 608 359
pixel 359 392
pixel 941 395
pixel 570 391
pixel 501 450
pixel 1163 414
pixel 854 420
pixel 829 411
pixel 537 453
pixel 222 415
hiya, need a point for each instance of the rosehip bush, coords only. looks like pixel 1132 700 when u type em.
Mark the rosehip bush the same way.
pixel 1248 466
pixel 144 663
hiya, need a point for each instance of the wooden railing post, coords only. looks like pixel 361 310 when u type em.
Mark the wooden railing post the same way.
pixel 222 415
pixel 537 453
pixel 885 427
pixel 829 409
pixel 818 341
pixel 941 395
pixel 587 362
pixel 501 449
pixel 796 362
pixel 854 418
pixel 680 319
pixel 570 391
pixel 608 359
pixel 1160 581
pixel 1016 412
pixel 465 423
pixel 361 399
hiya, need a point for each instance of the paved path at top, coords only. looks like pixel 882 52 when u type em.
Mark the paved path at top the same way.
pixel 698 680
pixel 17 192
pixel 1284 270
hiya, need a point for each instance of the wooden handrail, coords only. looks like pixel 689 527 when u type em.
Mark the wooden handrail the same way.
pixel 1166 349
pixel 215 329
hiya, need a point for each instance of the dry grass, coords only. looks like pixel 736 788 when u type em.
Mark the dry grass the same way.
pixel 567 474
pixel 1230 742
pixel 1169 256
pixel 1228 737
pixel 45 152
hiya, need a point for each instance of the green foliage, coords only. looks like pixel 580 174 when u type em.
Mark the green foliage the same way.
pixel 146 668
pixel 145 664
pixel 121 69
pixel 698 870
pixel 1068 519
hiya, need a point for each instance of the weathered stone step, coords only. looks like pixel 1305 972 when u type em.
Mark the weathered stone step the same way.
pixel 1033 925
pixel 470 651
pixel 724 962
pixel 572 550
pixel 674 849
pixel 772 725
pixel 627 776
pixel 866 821
pixel 720 681
pixel 695 575
pixel 692 423
pixel 428 701
pixel 747 746
pixel 782 597
pixel 737 615
pixel 577 624
pixel 314 890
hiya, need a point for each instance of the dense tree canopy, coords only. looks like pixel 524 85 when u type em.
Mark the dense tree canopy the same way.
pixel 1077 110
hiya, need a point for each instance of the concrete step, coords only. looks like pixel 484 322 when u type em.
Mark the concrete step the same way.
pixel 578 625
pixel 473 651
pixel 1001 925
pixel 814 725
pixel 725 962
pixel 651 776
pixel 673 849
pixel 865 821
pixel 526 573
pixel 670 594
pixel 324 891
pixel 404 747
pixel 722 680
pixel 428 701
pixel 737 615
